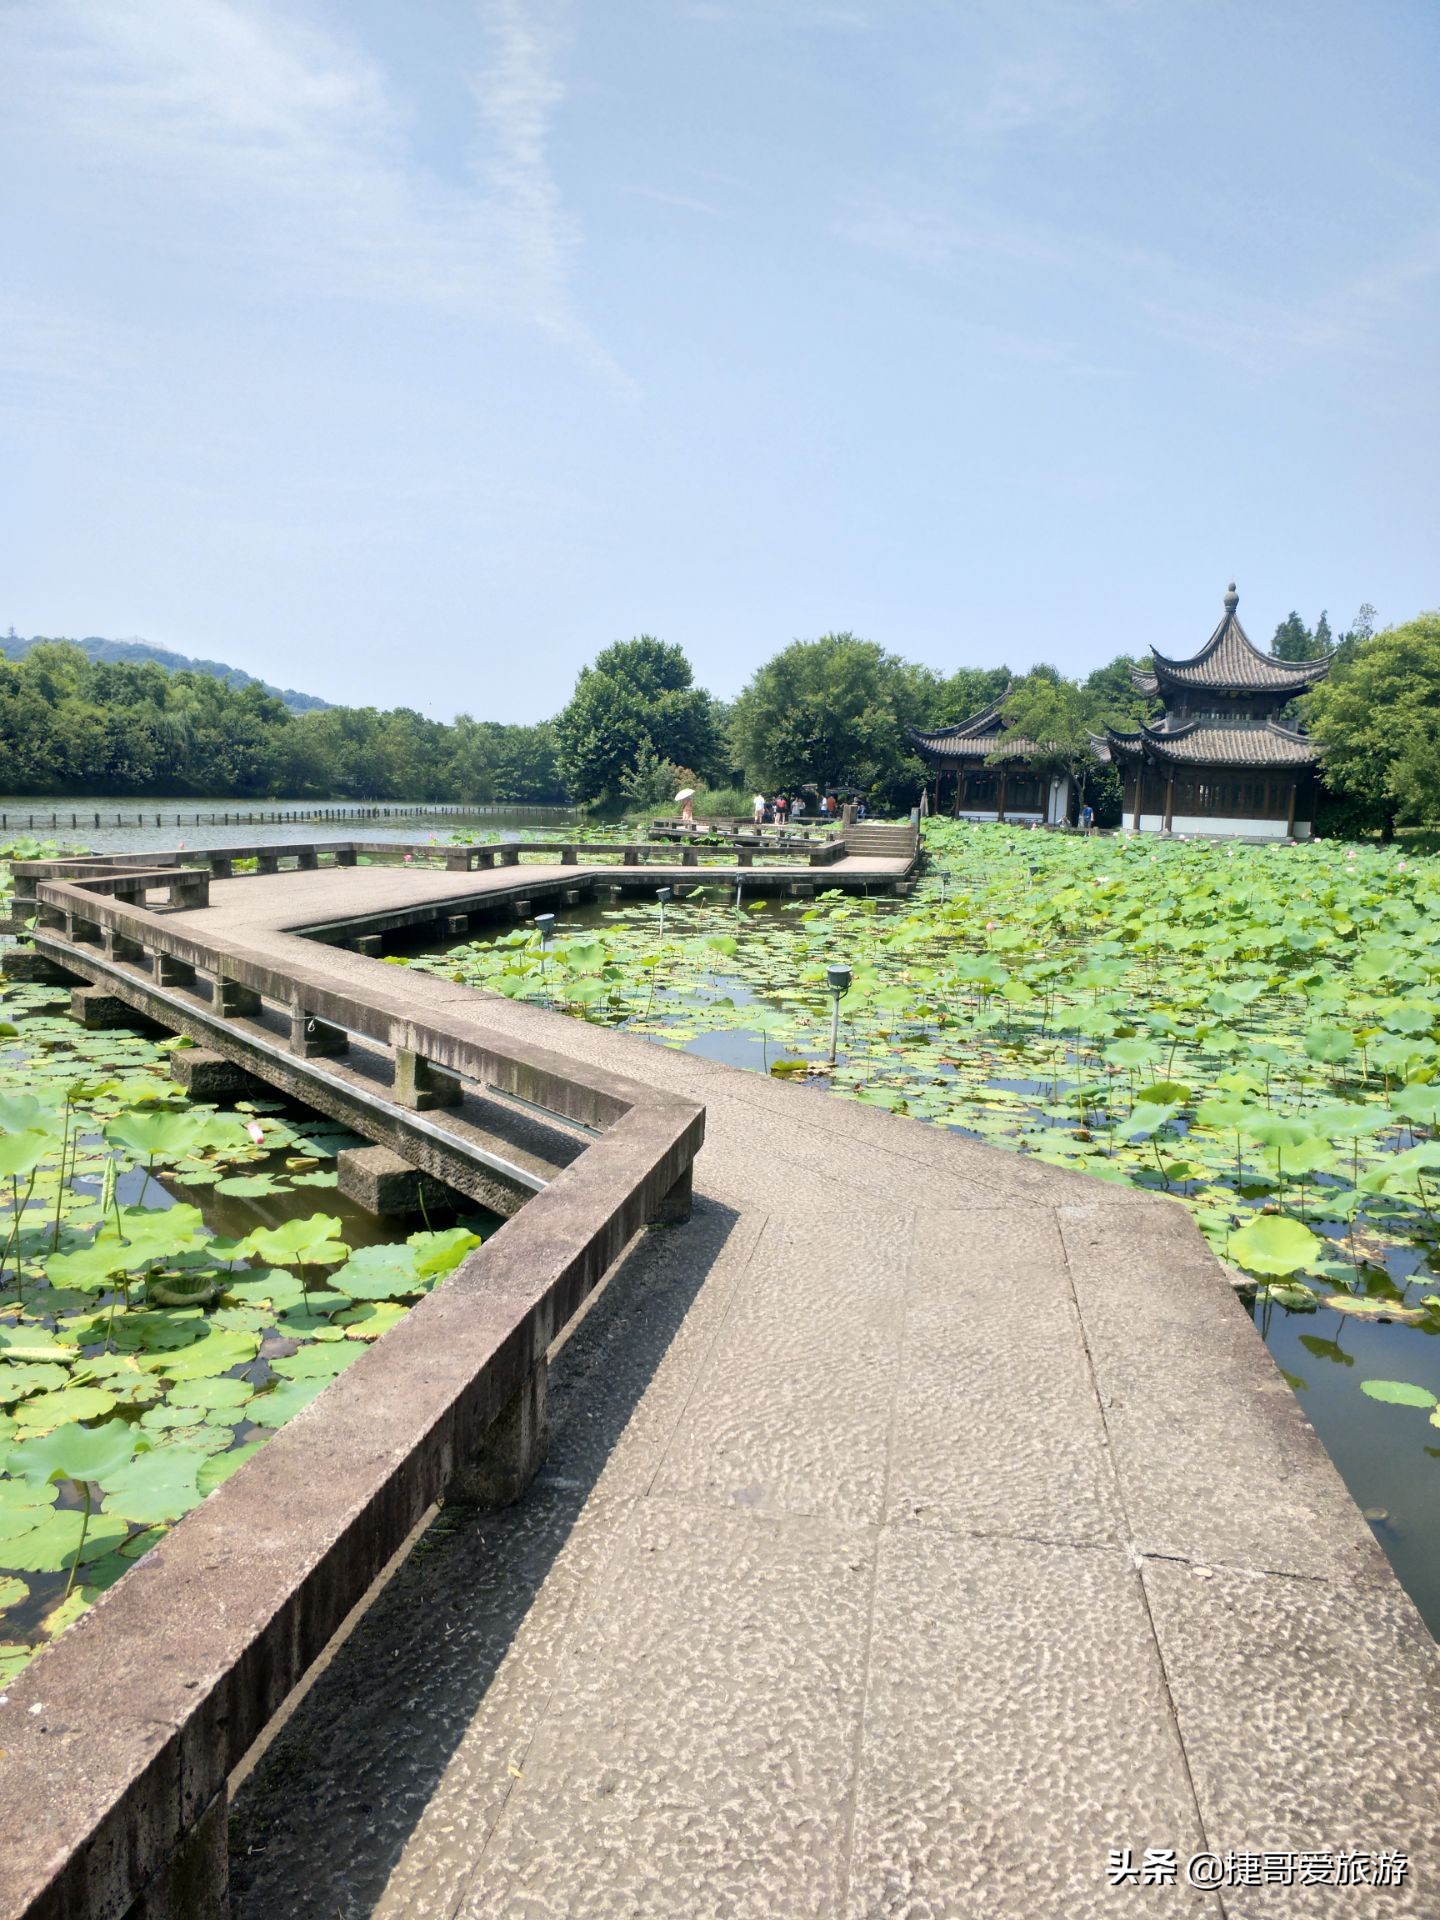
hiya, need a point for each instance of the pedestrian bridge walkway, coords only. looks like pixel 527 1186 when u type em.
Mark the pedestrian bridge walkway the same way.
pixel 919 1524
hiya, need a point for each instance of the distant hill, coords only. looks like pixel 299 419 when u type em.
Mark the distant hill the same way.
pixel 15 648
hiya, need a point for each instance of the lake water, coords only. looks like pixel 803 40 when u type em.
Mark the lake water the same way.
pixel 129 825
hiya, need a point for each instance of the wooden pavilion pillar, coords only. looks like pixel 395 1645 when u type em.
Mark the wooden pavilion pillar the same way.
pixel 961 780
pixel 1169 802
pixel 1290 817
pixel 1139 792
pixel 1000 806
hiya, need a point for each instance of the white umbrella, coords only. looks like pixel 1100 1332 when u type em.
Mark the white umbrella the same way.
pixel 686 793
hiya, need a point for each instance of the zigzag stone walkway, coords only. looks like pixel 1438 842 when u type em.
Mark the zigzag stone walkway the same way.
pixel 920 1523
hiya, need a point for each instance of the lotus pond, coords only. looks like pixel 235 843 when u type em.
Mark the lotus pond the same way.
pixel 176 1280
pixel 1254 1030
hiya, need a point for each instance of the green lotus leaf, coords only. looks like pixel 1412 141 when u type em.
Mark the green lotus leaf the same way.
pixel 274 1408
pixel 74 1452
pixel 12 1591
pixel 1411 1019
pixel 1146 1119
pixel 21 1495
pixel 89 1269
pixel 15 1656
pixel 377 1273
pixel 216 1353
pixel 249 1186
pixel 159 1485
pixel 211 1392
pixel 31 1343
pixel 315 1362
pixel 277 1288
pixel 155 1332
pixel 47 1410
pixel 25 1113
pixel 313 1242
pixel 1398 1393
pixel 1130 1053
pixel 243 1319
pixel 52 1546
pixel 370 1318
pixel 18 1380
pixel 157 1136
pixel 1273 1243
pixel 219 1466
pixel 1289 1293
pixel 1276 1132
pixel 1420 1101
pixel 1330 1044
pixel 440 1253
pixel 21 1153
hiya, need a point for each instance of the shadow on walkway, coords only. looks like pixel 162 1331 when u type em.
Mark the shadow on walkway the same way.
pixel 320 1826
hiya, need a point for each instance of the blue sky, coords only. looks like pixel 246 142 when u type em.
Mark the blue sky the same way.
pixel 409 354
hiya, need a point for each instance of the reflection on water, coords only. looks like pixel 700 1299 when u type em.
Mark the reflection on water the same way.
pixel 138 826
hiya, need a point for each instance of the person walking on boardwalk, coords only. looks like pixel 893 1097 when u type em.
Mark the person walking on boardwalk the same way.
pixel 759 805
pixel 782 808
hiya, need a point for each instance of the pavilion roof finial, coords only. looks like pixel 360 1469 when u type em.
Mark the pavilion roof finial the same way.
pixel 1232 598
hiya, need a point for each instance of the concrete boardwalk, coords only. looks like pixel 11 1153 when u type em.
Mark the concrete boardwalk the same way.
pixel 920 1523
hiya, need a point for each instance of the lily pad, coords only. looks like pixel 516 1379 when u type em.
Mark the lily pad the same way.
pixel 159 1485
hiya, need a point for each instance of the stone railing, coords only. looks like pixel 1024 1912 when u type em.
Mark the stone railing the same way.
pixel 119 1739
pixel 818 850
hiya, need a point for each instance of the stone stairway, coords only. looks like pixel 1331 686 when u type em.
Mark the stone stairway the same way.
pixel 880 840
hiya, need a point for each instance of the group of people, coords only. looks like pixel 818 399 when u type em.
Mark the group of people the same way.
pixel 784 808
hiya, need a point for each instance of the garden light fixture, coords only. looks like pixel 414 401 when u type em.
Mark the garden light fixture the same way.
pixel 838 980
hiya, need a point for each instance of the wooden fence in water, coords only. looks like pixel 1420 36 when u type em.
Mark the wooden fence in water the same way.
pixel 79 817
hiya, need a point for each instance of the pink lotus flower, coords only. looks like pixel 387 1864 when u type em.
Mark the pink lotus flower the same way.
pixel 256 1132
pixel 990 925
pixel 408 858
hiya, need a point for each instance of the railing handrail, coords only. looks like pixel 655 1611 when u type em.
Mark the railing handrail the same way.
pixel 149 1742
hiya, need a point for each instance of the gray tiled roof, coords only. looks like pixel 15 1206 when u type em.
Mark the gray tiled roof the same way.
pixel 949 744
pixel 978 736
pixel 1204 744
pixel 1229 659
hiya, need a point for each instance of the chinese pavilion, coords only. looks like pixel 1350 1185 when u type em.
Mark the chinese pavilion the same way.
pixel 1220 760
pixel 970 787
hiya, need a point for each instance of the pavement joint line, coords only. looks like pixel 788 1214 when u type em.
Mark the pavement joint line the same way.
pixel 857 1746
pixel 1172 1711
pixel 723 1320
pixel 634 1504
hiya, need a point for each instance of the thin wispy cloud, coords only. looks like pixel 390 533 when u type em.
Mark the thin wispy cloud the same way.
pixel 780 14
pixel 281 145
pixel 1046 91
pixel 683 202
pixel 1146 288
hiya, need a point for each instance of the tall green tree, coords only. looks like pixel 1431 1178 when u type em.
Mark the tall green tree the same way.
pixel 1293 640
pixel 1048 718
pixel 1377 719
pixel 1113 698
pixel 831 713
pixel 965 692
pixel 1324 639
pixel 639 696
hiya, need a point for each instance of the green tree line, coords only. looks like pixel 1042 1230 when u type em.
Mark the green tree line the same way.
pixel 832 714
pixel 70 724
